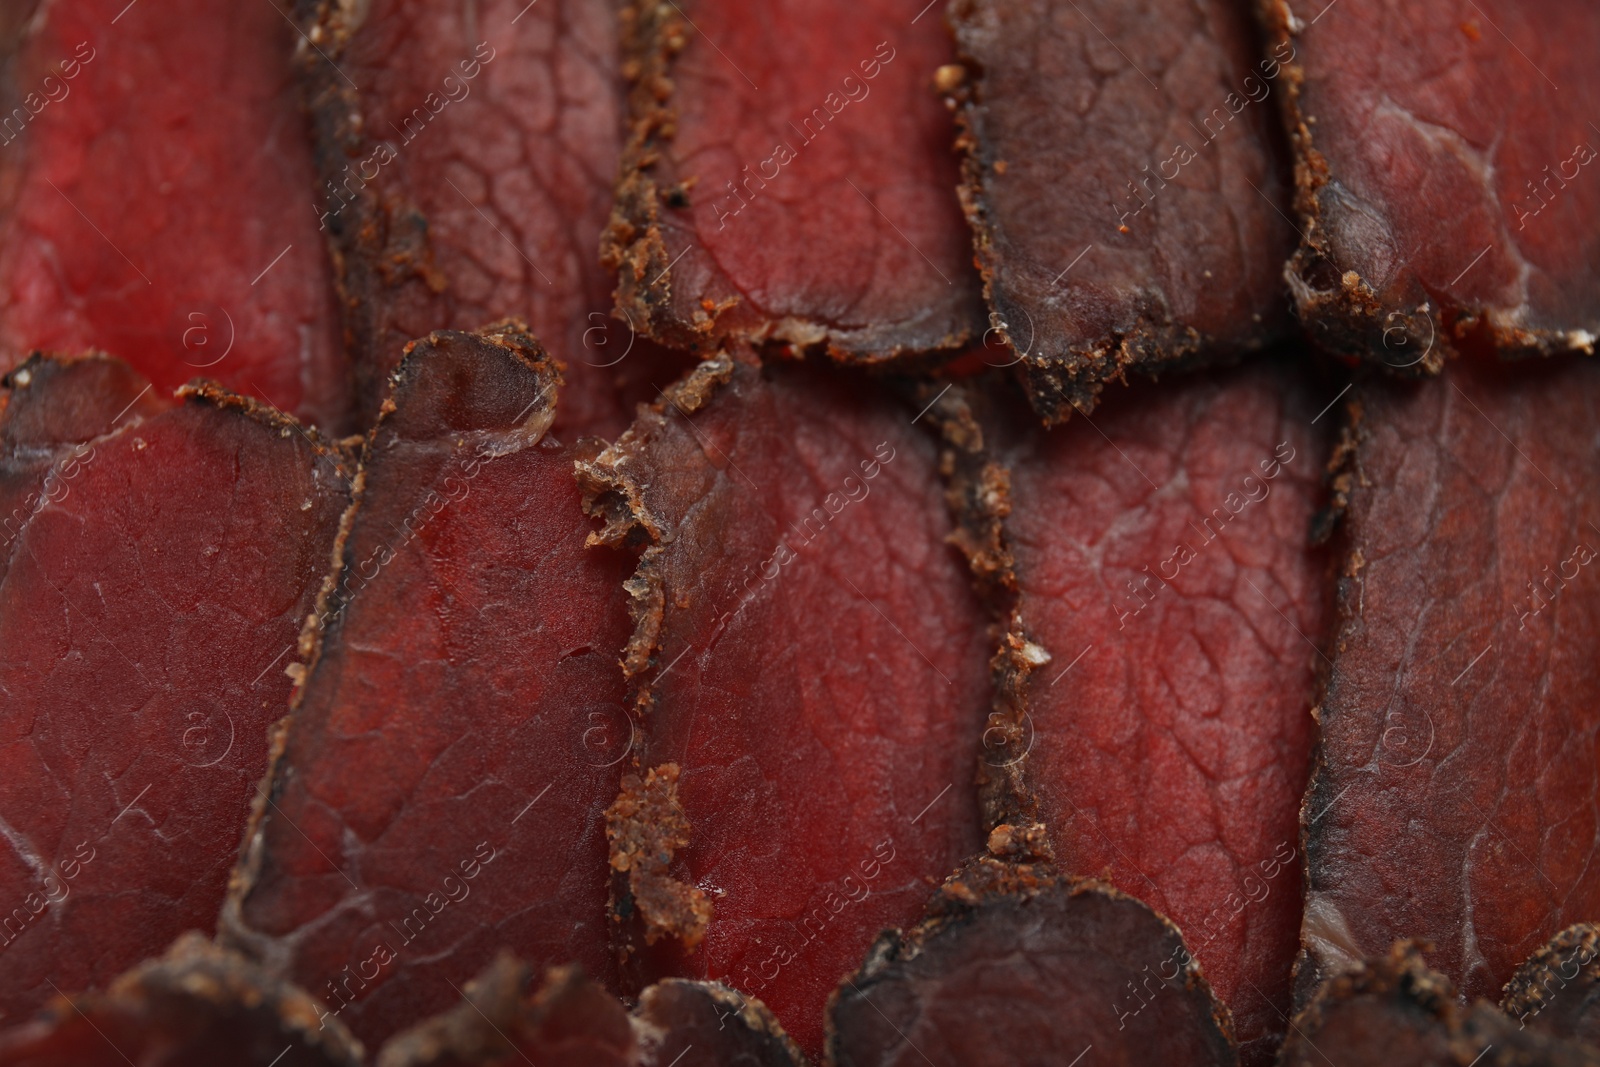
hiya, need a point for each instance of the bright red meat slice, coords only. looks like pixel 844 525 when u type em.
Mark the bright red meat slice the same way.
pixel 1445 172
pixel 144 622
pixel 813 667
pixel 1125 179
pixel 50 412
pixel 441 780
pixel 1162 562
pixel 159 207
pixel 467 154
pixel 197 1006
pixel 1393 1010
pixel 1558 990
pixel 571 1022
pixel 1455 794
pixel 1015 967
pixel 789 176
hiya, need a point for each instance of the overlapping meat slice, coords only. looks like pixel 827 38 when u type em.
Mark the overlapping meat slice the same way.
pixel 1394 1010
pixel 1444 174
pixel 789 176
pixel 1125 182
pixel 1153 691
pixel 467 155
pixel 150 602
pixel 196 1006
pixel 1016 966
pixel 1455 792
pixel 438 788
pixel 50 412
pixel 813 671
pixel 1558 990
pixel 571 1022
pixel 170 225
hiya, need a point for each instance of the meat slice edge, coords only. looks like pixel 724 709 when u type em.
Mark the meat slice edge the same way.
pixel 1557 991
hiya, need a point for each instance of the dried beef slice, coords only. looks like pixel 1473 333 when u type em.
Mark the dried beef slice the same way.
pixel 1125 182
pixel 438 789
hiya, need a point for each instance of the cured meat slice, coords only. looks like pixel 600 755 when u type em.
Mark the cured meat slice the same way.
pixel 144 619
pixel 1014 966
pixel 1558 990
pixel 811 665
pixel 1154 687
pixel 1125 182
pixel 571 1022
pixel 1443 177
pixel 50 412
pixel 1394 1010
pixel 467 155
pixel 204 260
pixel 1459 719
pixel 197 1006
pixel 789 176
pixel 439 785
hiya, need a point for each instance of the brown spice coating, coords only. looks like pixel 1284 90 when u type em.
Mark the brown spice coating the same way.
pixel 646 827
pixel 1558 990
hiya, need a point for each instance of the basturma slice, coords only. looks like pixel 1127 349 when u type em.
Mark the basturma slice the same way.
pixel 1558 990
pixel 1155 685
pixel 470 177
pixel 571 1022
pixel 1016 967
pixel 150 602
pixel 203 260
pixel 789 177
pixel 1444 174
pixel 49 413
pixel 1125 182
pixel 1454 794
pixel 812 663
pixel 197 1006
pixel 1393 1010
pixel 438 787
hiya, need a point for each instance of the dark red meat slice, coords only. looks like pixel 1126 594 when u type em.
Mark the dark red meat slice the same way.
pixel 1444 174
pixel 50 412
pixel 571 1022
pixel 467 154
pixel 197 1006
pixel 812 665
pixel 1155 685
pixel 1393 1010
pixel 1024 969
pixel 1558 990
pixel 789 176
pixel 441 779
pixel 170 225
pixel 1454 797
pixel 144 622
pixel 1125 181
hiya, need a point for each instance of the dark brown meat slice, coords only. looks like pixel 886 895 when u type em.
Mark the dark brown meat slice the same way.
pixel 1125 182
pixel 571 1022
pixel 1015 967
pixel 50 412
pixel 1558 990
pixel 1455 792
pixel 467 156
pixel 199 260
pixel 1156 680
pixel 1442 174
pixel 1394 1011
pixel 789 176
pixel 440 782
pixel 813 670
pixel 144 620
pixel 197 1006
